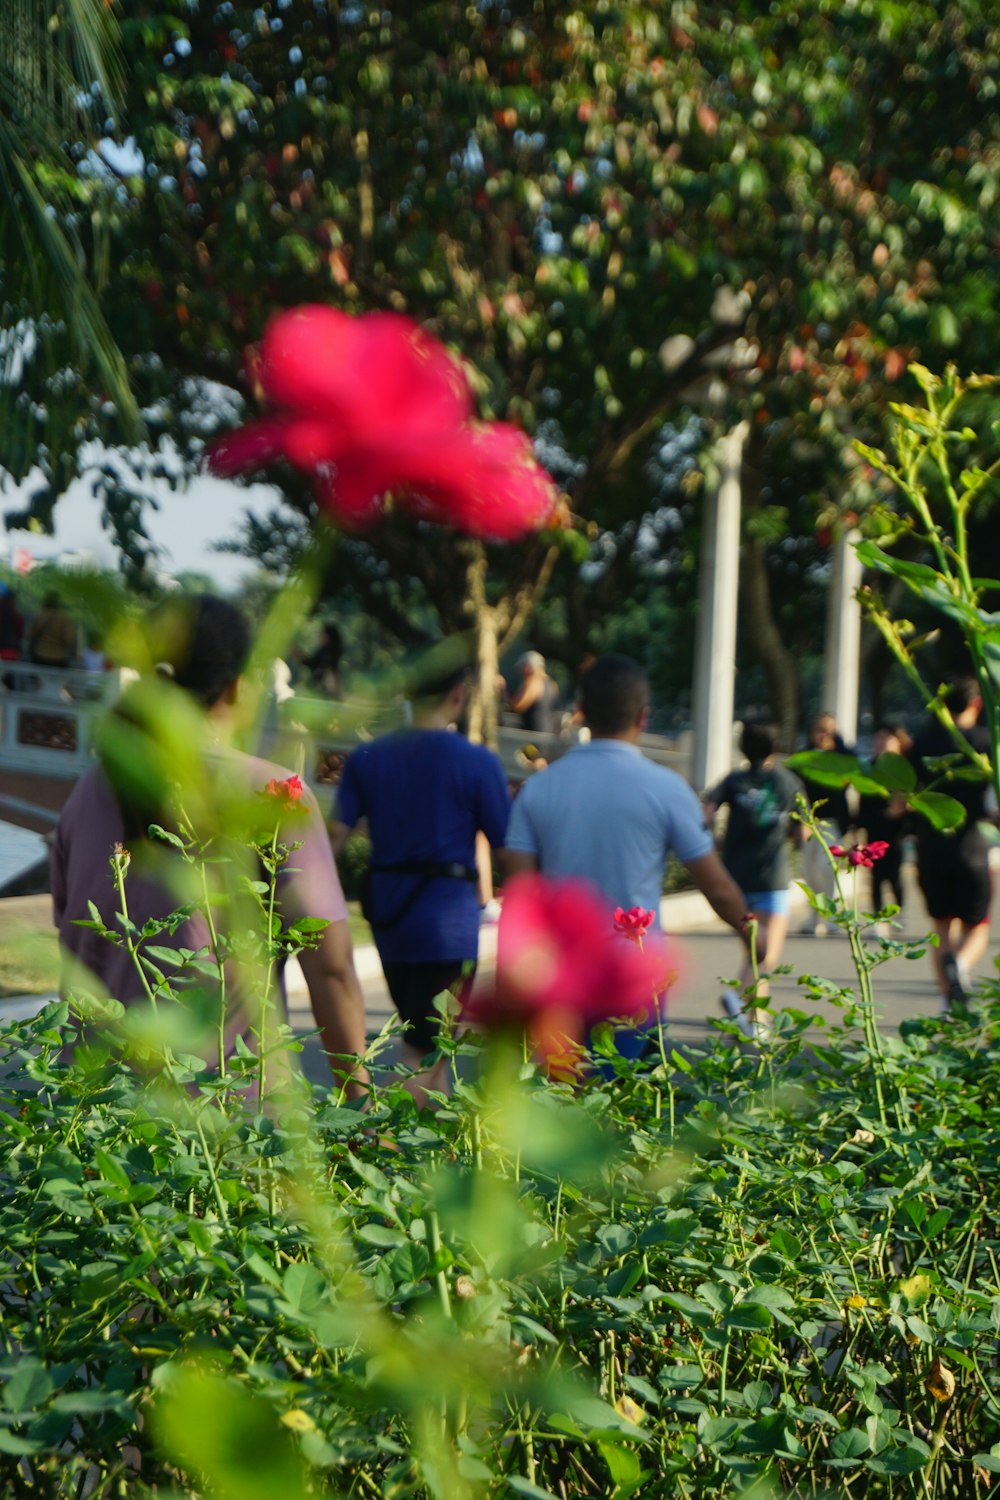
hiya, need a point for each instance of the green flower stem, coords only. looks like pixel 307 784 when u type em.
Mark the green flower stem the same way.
pixel 440 1278
pixel 118 864
pixel 220 965
pixel 213 1176
pixel 265 1003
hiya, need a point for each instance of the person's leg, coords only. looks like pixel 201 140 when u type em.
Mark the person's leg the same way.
pixel 940 955
pixel 770 910
pixel 972 942
pixel 818 872
pixel 968 937
pixel 422 1081
pixel 893 865
pixel 414 989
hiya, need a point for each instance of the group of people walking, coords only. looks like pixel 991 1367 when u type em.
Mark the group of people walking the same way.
pixel 436 808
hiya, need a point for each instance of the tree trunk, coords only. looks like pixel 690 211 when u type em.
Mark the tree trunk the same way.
pixel 484 708
pixel 764 638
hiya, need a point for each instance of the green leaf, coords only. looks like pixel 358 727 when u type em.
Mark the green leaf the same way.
pixel 372 1175
pixel 382 1235
pixel 304 1287
pixel 111 1170
pixel 942 812
pixel 750 1315
pixel 901 1461
pixel 849 1444
pixel 231 1439
pixel 623 1464
pixel 895 772
pixel 28 1387
pixel 825 767
pixel 615 1239
pixel 525 1487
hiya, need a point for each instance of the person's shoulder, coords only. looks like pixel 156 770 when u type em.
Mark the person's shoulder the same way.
pixel 664 779
pixel 92 784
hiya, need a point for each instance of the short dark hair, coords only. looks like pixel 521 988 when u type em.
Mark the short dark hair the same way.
pixel 200 641
pixel 758 740
pixel 613 693
pixel 961 691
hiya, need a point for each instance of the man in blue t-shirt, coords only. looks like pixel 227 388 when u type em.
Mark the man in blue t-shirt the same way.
pixel 426 793
pixel 606 814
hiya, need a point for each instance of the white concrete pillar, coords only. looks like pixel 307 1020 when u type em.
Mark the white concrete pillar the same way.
pixel 842 673
pixel 715 650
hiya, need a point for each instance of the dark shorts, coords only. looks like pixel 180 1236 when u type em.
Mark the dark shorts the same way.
pixel 957 889
pixel 415 987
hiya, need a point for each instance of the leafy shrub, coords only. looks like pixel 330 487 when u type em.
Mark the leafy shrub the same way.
pixel 676 1281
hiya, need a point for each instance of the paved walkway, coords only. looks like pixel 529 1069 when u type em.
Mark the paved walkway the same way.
pixel 711 953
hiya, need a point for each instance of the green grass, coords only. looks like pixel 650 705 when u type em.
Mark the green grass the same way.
pixel 29 948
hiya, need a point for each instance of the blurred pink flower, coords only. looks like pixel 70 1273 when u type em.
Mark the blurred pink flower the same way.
pixel 374 407
pixel 560 968
pixel 634 922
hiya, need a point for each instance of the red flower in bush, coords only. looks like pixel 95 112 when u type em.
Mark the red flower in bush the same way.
pixel 374 407
pixel 861 854
pixel 633 923
pixel 287 792
pixel 560 968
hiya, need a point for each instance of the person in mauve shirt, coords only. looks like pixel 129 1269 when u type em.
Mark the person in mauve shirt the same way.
pixel 200 646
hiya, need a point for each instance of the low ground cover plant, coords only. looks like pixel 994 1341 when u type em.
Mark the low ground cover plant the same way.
pixel 769 1270
pixel 746 1269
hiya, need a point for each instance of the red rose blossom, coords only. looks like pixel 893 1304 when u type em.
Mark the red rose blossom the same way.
pixel 374 406
pixel 861 854
pixel 288 791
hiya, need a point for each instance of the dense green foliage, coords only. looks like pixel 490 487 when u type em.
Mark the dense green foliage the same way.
pixel 586 203
pixel 707 1271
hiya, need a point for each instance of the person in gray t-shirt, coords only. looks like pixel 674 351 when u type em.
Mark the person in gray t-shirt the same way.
pixel 606 814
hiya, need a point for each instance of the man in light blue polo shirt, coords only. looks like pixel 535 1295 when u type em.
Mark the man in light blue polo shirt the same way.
pixel 606 814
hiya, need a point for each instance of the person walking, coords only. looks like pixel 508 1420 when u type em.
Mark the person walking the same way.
pixel 760 798
pixel 535 700
pixel 953 868
pixel 833 818
pixel 426 794
pixel 200 645
pixel 605 813
pixel 52 635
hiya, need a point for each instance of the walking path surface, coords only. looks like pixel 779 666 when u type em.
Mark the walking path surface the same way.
pixel 710 952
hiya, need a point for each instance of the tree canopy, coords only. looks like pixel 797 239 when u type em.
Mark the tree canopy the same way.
pixel 600 208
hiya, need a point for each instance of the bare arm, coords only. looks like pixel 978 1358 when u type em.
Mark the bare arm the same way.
pixel 338 1005
pixel 484 868
pixel 528 693
pixel 339 834
pixel 719 888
